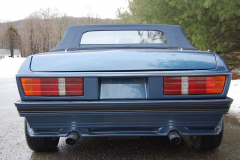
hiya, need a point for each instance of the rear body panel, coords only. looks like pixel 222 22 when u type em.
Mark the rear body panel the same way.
pixel 105 110
pixel 153 81
pixel 123 88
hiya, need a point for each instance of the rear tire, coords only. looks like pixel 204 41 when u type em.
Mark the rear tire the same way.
pixel 41 144
pixel 207 142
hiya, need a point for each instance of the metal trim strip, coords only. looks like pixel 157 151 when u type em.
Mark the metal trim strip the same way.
pixel 122 74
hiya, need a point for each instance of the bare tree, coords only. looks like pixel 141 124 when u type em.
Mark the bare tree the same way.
pixel 43 29
pixel 45 22
pixel 31 35
pixel 3 28
pixel 62 22
pixel 91 18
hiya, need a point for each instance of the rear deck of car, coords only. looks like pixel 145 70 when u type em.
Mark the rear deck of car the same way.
pixel 124 99
pixel 124 89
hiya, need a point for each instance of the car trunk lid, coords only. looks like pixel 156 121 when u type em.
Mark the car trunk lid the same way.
pixel 102 61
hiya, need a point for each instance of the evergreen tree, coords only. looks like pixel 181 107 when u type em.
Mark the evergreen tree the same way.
pixel 208 24
pixel 12 39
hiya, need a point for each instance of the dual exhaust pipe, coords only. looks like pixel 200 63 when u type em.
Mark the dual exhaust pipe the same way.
pixel 72 138
pixel 173 137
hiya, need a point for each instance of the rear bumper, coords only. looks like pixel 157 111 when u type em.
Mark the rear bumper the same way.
pixel 124 118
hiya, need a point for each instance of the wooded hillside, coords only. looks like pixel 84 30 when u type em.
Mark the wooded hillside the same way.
pixel 43 29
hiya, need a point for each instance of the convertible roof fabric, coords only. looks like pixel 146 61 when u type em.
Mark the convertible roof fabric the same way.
pixel 175 36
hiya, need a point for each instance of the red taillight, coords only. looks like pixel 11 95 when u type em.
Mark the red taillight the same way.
pixel 49 86
pixel 52 86
pixel 172 85
pixel 194 85
pixel 197 85
pixel 74 86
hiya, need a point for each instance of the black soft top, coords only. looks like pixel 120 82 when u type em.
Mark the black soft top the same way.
pixel 175 37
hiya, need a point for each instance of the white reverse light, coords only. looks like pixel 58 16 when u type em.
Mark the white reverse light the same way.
pixel 61 87
pixel 184 85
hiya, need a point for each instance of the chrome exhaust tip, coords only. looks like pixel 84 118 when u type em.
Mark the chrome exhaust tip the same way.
pixel 72 138
pixel 174 138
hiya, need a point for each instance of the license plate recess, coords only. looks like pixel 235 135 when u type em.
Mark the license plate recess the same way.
pixel 123 88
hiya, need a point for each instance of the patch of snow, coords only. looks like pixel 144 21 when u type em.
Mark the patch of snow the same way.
pixel 9 67
pixel 234 93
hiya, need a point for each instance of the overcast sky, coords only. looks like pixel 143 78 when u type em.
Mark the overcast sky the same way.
pixel 12 10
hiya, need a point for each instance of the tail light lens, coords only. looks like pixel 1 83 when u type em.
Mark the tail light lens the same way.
pixel 172 85
pixel 74 86
pixel 194 85
pixel 52 86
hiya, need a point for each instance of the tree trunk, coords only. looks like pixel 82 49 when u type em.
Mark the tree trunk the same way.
pixel 12 54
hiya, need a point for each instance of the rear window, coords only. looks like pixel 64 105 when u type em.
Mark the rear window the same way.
pixel 123 37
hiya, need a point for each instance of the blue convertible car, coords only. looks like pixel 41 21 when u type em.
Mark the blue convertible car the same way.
pixel 123 80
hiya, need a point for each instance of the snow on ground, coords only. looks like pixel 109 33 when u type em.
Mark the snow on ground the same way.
pixel 234 93
pixel 10 66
